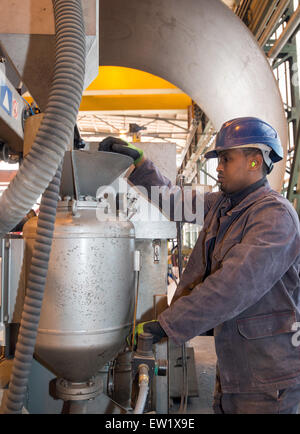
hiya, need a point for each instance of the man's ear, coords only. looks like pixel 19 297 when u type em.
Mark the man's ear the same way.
pixel 256 162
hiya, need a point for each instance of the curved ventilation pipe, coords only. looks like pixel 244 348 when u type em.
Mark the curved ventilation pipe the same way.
pixel 203 48
pixel 34 175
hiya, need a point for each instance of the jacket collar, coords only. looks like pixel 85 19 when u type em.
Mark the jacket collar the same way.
pixel 261 191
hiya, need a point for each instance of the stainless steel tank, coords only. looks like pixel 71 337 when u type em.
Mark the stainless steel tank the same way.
pixel 89 296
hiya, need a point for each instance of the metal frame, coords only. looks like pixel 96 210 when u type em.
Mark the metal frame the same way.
pixel 283 51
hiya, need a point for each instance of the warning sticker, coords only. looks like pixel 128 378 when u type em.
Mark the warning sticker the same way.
pixel 6 99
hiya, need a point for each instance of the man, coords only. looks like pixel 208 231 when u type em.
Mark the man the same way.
pixel 242 279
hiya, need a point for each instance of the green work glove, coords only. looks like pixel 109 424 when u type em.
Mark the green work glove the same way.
pixel 112 144
pixel 152 327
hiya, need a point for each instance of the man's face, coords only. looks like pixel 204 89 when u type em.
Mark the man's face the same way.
pixel 233 170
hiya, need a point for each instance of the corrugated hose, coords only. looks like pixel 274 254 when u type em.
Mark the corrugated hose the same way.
pixel 40 167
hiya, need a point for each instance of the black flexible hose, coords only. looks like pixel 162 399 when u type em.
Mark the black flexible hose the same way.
pixel 34 298
pixel 56 131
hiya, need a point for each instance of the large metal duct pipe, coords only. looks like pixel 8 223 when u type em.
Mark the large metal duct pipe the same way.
pixel 201 47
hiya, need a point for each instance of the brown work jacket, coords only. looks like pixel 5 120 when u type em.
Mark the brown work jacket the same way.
pixel 251 298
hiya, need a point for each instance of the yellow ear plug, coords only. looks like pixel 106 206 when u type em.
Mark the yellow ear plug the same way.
pixel 253 163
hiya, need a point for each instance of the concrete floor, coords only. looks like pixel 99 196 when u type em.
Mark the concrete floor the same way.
pixel 205 363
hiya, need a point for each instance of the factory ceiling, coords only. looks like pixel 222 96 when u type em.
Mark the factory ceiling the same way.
pixel 122 99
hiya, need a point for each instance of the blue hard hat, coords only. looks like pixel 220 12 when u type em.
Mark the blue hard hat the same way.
pixel 241 132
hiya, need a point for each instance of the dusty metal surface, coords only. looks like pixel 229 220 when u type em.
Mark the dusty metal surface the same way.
pixel 96 169
pixel 85 171
pixel 89 296
pixel 202 48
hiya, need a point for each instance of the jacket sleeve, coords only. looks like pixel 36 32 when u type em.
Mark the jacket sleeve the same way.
pixel 249 269
pixel 188 206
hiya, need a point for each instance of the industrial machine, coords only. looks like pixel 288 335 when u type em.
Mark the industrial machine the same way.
pixel 85 274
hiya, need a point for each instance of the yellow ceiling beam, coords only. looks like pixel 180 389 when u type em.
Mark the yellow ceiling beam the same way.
pixel 140 102
pixel 116 77
pixel 118 89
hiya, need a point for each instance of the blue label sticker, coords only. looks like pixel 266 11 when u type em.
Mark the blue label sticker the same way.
pixel 6 99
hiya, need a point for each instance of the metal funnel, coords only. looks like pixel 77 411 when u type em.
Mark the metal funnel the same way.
pixel 85 171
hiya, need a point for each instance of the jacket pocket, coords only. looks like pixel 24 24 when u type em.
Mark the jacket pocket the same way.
pixel 262 326
pixel 267 343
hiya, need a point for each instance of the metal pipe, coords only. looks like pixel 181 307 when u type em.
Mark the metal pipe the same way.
pixel 267 15
pixel 78 407
pixel 285 35
pixel 273 20
pixel 184 394
pixel 182 46
pixel 179 225
pixel 143 389
pixel 259 12
pixel 208 174
pixel 243 9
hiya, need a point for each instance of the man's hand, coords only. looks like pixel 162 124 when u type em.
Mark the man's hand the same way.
pixel 155 329
pixel 113 144
pixel 152 327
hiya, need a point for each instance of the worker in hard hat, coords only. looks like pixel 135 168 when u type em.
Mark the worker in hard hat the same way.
pixel 242 278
